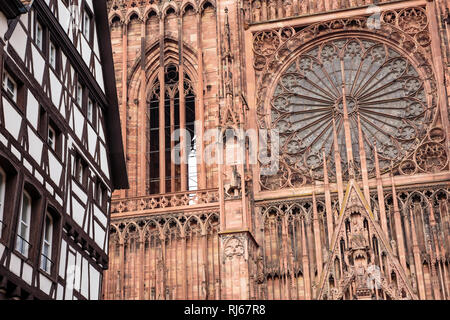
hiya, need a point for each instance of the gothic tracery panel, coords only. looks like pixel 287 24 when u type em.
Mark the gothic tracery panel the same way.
pixel 384 92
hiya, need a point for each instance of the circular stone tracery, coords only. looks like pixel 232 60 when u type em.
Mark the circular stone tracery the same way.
pixel 383 91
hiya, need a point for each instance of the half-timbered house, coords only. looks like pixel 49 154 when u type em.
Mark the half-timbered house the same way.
pixel 61 153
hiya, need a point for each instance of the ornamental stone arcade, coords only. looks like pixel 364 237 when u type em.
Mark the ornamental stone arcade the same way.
pixel 356 206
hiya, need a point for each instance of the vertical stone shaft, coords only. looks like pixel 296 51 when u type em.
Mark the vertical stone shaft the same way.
pixel 347 133
pixel 305 262
pixel 142 123
pixel 162 120
pixel 200 106
pixel 182 108
pixel 338 165
pixel 380 194
pixel 362 156
pixel 317 242
pixel 123 113
pixel 328 206
pixel 398 227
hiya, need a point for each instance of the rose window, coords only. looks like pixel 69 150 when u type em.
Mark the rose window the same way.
pixel 383 92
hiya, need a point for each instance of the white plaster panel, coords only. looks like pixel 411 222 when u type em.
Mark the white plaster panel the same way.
pixel 86 51
pixel 32 110
pixel 16 152
pixel 15 264
pixel 28 165
pixel 95 278
pixel 38 64
pixel 99 74
pixel 104 160
pixel 100 216
pixel 62 260
pixel 45 284
pixel 3 24
pixel 64 16
pixel 55 168
pixel 99 235
pixel 70 276
pixel 85 279
pixel 80 193
pixel 3 140
pixel 35 144
pixel 77 284
pixel 78 122
pixel 27 273
pixel 78 211
pixel 56 88
pixel 13 120
pixel 59 292
pixel 92 140
pixel 18 41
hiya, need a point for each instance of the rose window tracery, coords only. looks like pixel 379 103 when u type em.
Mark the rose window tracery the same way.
pixel 383 92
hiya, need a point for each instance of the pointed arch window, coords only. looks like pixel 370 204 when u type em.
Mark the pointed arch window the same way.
pixel 167 120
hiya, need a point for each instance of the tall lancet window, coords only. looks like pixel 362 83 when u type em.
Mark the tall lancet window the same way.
pixel 167 173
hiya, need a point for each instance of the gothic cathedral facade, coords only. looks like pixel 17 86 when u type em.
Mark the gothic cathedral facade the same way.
pixel 282 149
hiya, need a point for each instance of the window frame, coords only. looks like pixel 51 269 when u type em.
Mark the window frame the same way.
pixel 55 49
pixel 40 43
pixel 80 170
pixel 8 78
pixel 47 242
pixel 87 17
pixel 51 141
pixel 27 225
pixel 79 94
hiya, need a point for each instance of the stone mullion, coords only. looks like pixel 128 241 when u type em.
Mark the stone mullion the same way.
pixel 122 267
pixel 182 108
pixel 142 122
pixel 204 263
pixel 155 264
pixel 183 263
pixel 172 143
pixel 398 228
pixel 417 260
pixel 199 107
pixel 328 205
pixel 380 193
pixel 218 280
pixel 141 267
pixel 162 99
pixel 317 240
pixel 305 262
pixel 197 262
pixel 286 258
pixel 123 111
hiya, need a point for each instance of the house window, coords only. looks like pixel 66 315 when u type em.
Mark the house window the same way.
pixel 90 111
pixel 87 20
pixel 100 194
pixel 79 94
pixel 39 36
pixel 80 170
pixel 10 86
pixel 50 132
pixel 51 139
pixel 2 197
pixel 23 232
pixel 46 253
pixel 52 57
